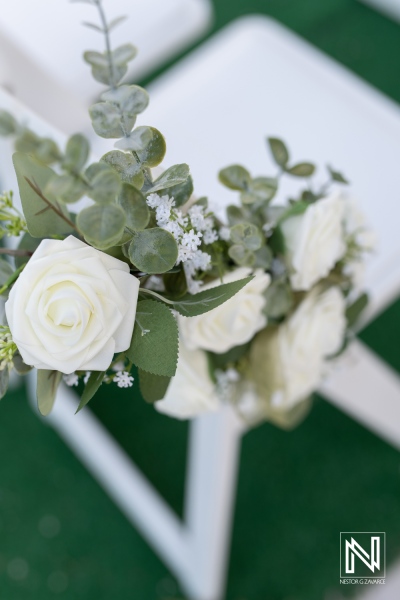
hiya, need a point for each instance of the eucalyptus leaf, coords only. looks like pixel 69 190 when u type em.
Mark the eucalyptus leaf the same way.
pixel 278 300
pixel 137 141
pixel 355 309
pixel 20 366
pixel 93 384
pixel 134 206
pixel 46 389
pixel 102 70
pixel 304 169
pixel 66 188
pixel 263 258
pixel 105 183
pixel 76 153
pixel 279 151
pixel 154 346
pixel 154 153
pixel 173 176
pixel 109 122
pixel 241 255
pixel 296 209
pixel 130 99
pixel 115 22
pixel 338 177
pixel 260 189
pixel 153 250
pixel 182 192
pixel 247 234
pixel 28 243
pixel 235 214
pixel 153 387
pixel 102 225
pixel 8 125
pixel 123 54
pixel 235 177
pixel 40 218
pixel 126 166
pixel 197 304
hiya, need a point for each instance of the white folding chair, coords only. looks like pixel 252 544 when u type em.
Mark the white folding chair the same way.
pixel 42 42
pixel 255 79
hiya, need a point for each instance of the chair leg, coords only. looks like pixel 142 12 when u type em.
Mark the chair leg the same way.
pixel 368 389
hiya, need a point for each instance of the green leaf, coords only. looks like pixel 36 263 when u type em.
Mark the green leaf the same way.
pixel 4 379
pixel 46 389
pixel 134 206
pixel 235 214
pixel 126 166
pixel 154 153
pixel 40 219
pixel 66 188
pixel 235 177
pixel 279 300
pixel 173 176
pixel 105 183
pixel 183 191
pixel 137 141
pixel 153 250
pixel 123 54
pixel 241 255
pixel 264 258
pixel 115 22
pixel 29 243
pixel 96 59
pixel 260 189
pixel 279 151
pixel 338 177
pixel 8 125
pixel 153 387
pixel 109 122
pixel 296 209
pixel 101 69
pixel 154 346
pixel 76 153
pixel 6 271
pixel 247 234
pixel 304 169
pixel 94 382
pixel 355 309
pixel 20 366
pixel 197 304
pixel 102 225
pixel 220 361
pixel 130 99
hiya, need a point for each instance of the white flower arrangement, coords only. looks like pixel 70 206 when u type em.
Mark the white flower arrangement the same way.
pixel 147 280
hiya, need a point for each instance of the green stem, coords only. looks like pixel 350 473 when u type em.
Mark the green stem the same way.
pixel 12 278
pixel 10 252
pixel 107 40
pixel 146 291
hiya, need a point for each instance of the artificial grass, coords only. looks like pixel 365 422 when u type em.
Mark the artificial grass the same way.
pixel 60 535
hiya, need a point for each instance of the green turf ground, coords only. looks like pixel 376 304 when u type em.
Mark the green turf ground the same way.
pixel 60 535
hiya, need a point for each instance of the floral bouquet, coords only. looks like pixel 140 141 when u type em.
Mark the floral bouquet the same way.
pixel 248 309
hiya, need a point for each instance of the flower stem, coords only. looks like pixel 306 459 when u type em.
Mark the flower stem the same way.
pixel 146 291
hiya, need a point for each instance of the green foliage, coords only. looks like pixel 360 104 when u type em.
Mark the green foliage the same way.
pixel 66 188
pixel 19 365
pixel 28 243
pixel 8 125
pixel 154 346
pixel 247 234
pixel 4 380
pixel 260 190
pixel 197 304
pixel 137 141
pixel 221 361
pixel 41 216
pixel 110 68
pixel 241 255
pixel 154 152
pixel 128 168
pixel 94 382
pixel 76 153
pixel 181 192
pixel 279 151
pixel 153 387
pixel 102 224
pixel 6 271
pixel 279 300
pixel 46 389
pixel 104 182
pixel 355 309
pixel 337 177
pixel 303 169
pixel 235 177
pixel 153 250
pixel 133 203
pixel 172 177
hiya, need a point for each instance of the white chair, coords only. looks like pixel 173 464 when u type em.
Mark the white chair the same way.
pixel 255 79
pixel 42 42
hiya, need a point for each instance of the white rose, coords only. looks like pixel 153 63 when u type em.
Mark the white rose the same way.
pixel 233 323
pixel 72 307
pixel 315 241
pixel 314 332
pixel 191 392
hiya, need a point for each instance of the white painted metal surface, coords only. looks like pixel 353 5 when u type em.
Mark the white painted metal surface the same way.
pixel 42 42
